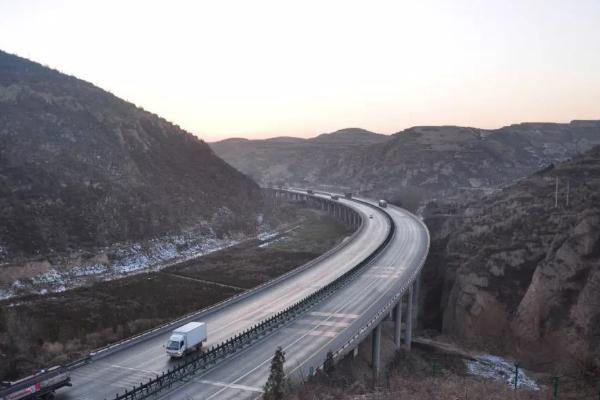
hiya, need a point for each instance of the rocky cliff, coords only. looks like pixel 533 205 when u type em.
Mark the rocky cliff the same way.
pixel 416 164
pixel 81 169
pixel 520 268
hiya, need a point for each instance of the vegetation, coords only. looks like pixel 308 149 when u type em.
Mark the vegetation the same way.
pixel 275 387
pixel 422 375
pixel 54 328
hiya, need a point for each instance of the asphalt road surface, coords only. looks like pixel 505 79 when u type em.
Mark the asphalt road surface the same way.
pixel 121 370
pixel 327 326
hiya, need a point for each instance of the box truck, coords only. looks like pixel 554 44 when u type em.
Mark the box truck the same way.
pixel 382 203
pixel 186 338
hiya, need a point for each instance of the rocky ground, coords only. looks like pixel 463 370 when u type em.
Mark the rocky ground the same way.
pixel 437 372
pixel 518 271
pixel 415 165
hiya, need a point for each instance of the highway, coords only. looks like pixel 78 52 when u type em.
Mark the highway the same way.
pixel 327 326
pixel 122 369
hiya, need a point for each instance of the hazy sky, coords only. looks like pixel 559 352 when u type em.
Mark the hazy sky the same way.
pixel 267 68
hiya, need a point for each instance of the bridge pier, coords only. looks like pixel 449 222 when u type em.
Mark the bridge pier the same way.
pixel 417 285
pixel 409 317
pixel 376 349
pixel 398 323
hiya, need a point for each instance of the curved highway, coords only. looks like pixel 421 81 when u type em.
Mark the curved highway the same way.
pixel 350 313
pixel 125 368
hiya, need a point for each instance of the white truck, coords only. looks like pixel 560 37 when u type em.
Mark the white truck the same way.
pixel 186 338
pixel 382 203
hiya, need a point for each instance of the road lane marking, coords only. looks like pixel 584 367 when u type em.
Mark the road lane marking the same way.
pixel 311 332
pixel 337 315
pixel 324 323
pixel 230 385
pixel 154 373
pixel 285 348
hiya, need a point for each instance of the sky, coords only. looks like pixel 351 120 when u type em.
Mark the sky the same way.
pixel 260 69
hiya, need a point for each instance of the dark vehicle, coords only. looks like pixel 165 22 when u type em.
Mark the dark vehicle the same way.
pixel 310 191
pixel 39 386
pixel 335 197
pixel 348 195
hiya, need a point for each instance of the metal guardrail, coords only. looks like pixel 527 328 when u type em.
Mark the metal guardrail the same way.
pixel 125 343
pixel 366 329
pixel 216 354
pixel 128 342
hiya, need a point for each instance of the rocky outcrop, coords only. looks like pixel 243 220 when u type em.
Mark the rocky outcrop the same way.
pixel 417 164
pixel 81 169
pixel 522 266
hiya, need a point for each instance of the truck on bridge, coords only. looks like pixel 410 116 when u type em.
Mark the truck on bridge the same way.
pixel 39 386
pixel 382 203
pixel 348 195
pixel 186 338
pixel 335 197
pixel 310 191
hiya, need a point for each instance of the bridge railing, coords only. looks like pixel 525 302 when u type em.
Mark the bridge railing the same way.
pixel 216 354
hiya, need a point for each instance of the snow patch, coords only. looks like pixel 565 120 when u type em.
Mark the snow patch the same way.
pixel 497 368
pixel 127 259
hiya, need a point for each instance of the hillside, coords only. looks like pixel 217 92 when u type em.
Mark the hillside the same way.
pixel 517 272
pixel 293 160
pixel 83 169
pixel 416 164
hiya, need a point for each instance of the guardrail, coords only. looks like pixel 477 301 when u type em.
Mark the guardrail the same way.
pixel 131 341
pixel 214 355
pixel 381 314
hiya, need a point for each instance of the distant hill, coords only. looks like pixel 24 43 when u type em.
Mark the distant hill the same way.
pixel 292 160
pixel 350 136
pixel 520 271
pixel 81 168
pixel 418 163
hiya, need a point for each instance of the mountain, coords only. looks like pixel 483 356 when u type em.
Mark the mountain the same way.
pixel 293 160
pixel 81 168
pixel 416 164
pixel 350 137
pixel 520 268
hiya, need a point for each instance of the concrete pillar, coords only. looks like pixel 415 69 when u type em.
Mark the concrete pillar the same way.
pixel 417 285
pixel 398 323
pixel 409 318
pixel 376 349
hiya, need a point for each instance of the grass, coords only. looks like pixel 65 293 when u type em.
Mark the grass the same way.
pixel 39 331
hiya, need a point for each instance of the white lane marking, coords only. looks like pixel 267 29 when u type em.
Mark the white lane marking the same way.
pixel 230 385
pixel 323 333
pixel 324 323
pixel 328 314
pixel 286 348
pixel 383 275
pixel 154 373
pixel 311 332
